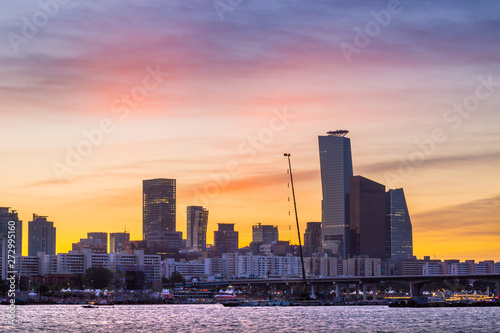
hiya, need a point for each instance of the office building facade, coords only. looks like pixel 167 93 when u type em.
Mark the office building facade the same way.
pixel 116 240
pixel 265 234
pixel 226 239
pixel 197 221
pixel 312 239
pixel 336 170
pixel 158 207
pixel 367 218
pixel 103 236
pixel 399 237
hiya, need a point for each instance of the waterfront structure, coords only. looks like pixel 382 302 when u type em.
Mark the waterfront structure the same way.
pixel 77 263
pixel 398 226
pixel 226 239
pixel 367 218
pixel 236 265
pixel 312 239
pixel 116 240
pixel 41 236
pixel 265 234
pixel 197 221
pixel 158 207
pixel 336 170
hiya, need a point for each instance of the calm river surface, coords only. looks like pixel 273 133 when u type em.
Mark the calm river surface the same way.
pixel 216 318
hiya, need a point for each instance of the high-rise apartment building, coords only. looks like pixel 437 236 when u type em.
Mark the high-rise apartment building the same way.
pixel 265 234
pixel 158 207
pixel 197 220
pixel 41 236
pixel 116 240
pixel 7 215
pixel 226 239
pixel 399 243
pixel 367 218
pixel 336 170
pixel 312 239
pixel 9 222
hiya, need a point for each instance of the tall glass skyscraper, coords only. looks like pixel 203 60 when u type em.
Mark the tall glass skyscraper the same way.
pixel 158 207
pixel 336 170
pixel 197 220
pixel 398 225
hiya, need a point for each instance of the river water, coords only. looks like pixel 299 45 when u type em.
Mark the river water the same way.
pixel 216 318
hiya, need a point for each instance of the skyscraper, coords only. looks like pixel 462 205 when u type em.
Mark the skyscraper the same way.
pixel 398 226
pixel 197 220
pixel 116 240
pixel 367 218
pixel 158 207
pixel 265 234
pixel 41 236
pixel 7 215
pixel 336 170
pixel 226 239
pixel 312 239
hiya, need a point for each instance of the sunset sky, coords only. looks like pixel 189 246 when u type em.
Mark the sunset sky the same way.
pixel 96 97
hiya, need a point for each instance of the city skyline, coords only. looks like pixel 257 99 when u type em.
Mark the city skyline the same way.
pixel 171 90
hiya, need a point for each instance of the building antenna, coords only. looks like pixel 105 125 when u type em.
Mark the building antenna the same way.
pixel 297 220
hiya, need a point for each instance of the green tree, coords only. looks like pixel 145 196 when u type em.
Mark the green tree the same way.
pixel 135 280
pixel 97 277
pixel 176 277
pixel 44 289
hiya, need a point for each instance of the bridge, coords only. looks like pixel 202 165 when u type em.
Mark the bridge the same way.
pixel 416 282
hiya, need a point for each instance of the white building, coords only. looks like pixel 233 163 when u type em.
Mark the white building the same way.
pixel 27 266
pixel 485 267
pixel 432 268
pixel 461 268
pixel 321 266
pixel 362 266
pixel 71 262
